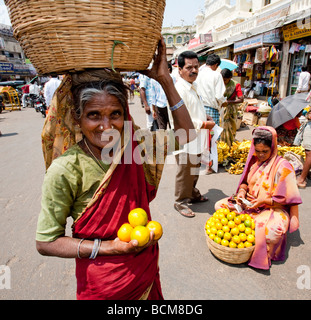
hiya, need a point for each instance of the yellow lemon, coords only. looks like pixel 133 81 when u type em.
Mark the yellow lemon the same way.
pixel 253 225
pixel 248 223
pixel 242 217
pixel 212 236
pixel 224 221
pixel 220 234
pixel 225 228
pixel 218 226
pixel 213 230
pixel 138 217
pixel 224 242
pixel 230 216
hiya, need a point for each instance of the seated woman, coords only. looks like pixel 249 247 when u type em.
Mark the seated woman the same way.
pixel 99 194
pixel 269 183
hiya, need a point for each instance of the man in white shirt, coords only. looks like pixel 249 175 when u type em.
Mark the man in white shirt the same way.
pixel 304 80
pixel 49 89
pixel 211 87
pixel 188 161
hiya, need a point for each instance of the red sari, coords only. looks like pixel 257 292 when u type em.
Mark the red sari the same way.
pixel 118 277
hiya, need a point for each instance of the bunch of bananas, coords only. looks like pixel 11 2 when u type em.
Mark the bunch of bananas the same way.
pixel 300 151
pixel 236 168
pixel 239 150
pixel 223 151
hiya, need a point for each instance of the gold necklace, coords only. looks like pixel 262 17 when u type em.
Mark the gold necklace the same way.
pixel 92 154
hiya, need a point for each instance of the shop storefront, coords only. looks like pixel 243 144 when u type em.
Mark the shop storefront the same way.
pixel 299 36
pixel 259 59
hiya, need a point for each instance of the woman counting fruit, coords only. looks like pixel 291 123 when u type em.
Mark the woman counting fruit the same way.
pixel 268 192
pixel 99 194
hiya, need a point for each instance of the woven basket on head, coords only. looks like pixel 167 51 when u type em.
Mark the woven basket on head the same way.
pixel 73 35
pixel 230 255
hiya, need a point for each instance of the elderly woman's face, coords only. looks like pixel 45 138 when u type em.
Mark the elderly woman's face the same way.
pixel 262 151
pixel 101 116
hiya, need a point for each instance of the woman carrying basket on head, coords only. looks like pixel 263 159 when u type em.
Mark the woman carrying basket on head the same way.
pixel 98 194
pixel 269 183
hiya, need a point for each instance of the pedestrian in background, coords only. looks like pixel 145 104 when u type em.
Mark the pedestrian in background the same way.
pixel 211 87
pixel 188 161
pixel 49 89
pixel 304 80
pixel 235 98
pixel 25 90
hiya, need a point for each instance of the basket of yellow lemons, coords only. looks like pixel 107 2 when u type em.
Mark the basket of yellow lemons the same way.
pixel 230 236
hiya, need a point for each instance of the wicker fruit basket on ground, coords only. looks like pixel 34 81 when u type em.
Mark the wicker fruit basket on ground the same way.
pixel 73 35
pixel 229 255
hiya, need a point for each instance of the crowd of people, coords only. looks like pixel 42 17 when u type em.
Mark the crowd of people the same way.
pixel 98 195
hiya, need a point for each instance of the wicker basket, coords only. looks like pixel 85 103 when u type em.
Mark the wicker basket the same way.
pixel 73 35
pixel 230 255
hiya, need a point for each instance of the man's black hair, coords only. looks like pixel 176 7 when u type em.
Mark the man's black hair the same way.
pixel 213 59
pixel 186 55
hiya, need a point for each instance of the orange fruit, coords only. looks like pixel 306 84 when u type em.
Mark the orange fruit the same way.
pixel 237 220
pixel 217 240
pixel 236 239
pixel 227 236
pixel 208 231
pixel 230 216
pixel 141 234
pixel 220 234
pixel 247 244
pixel 212 236
pixel 248 223
pixel 232 244
pixel 253 225
pixel 250 238
pixel 241 245
pixel 243 236
pixel 213 230
pixel 124 233
pixel 231 224
pixel 248 231
pixel 224 221
pixel 224 242
pixel 235 231
pixel 225 228
pixel 218 226
pixel 241 227
pixel 156 227
pixel 242 217
pixel 138 217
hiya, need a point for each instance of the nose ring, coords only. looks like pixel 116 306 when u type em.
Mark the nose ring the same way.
pixel 102 128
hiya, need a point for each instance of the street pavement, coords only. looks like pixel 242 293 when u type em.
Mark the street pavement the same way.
pixel 188 270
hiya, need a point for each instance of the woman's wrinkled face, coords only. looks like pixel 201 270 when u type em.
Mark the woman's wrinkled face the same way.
pixel 102 120
pixel 262 152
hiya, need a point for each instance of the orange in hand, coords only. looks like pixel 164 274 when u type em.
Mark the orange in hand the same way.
pixel 156 227
pixel 138 217
pixel 124 233
pixel 141 234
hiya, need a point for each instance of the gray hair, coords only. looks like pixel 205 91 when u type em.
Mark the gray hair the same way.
pixel 85 92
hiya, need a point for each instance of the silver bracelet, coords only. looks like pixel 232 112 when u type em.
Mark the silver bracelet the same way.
pixel 78 253
pixel 178 105
pixel 95 250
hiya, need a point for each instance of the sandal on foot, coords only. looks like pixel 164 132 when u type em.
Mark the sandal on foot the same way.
pixel 184 210
pixel 200 199
pixel 302 185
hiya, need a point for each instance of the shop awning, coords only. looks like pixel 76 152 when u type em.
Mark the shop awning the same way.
pixel 220 46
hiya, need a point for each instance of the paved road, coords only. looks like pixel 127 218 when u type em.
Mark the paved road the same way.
pixel 188 270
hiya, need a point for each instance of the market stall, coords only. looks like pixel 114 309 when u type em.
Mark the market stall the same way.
pixel 10 98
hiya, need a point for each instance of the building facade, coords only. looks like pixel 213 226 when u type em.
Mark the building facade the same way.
pixel 13 63
pixel 269 39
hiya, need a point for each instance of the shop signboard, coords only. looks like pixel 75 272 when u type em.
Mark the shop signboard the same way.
pixel 296 31
pixel 249 43
pixel 194 43
pixel 6 68
pixel 272 36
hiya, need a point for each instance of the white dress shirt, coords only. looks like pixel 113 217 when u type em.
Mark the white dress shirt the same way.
pixel 304 79
pixel 211 88
pixel 194 104
pixel 49 89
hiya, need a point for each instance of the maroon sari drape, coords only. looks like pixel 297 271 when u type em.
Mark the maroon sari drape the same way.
pixel 119 276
